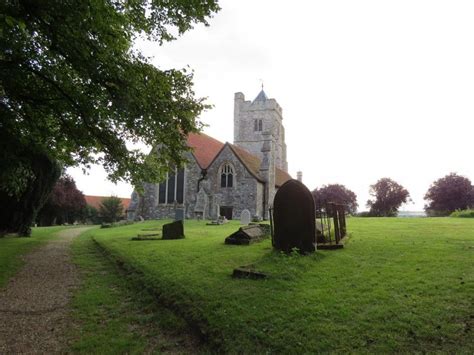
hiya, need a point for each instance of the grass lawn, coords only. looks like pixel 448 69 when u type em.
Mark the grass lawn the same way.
pixel 12 248
pixel 399 285
pixel 113 314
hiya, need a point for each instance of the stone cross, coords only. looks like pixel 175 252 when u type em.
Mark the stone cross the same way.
pixel 245 217
pixel 294 218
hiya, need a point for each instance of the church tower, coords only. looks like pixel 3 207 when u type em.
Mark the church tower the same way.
pixel 252 122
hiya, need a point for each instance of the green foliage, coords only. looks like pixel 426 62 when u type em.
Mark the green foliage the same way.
pixel 389 270
pixel 469 213
pixel 19 207
pixel 72 85
pixel 90 215
pixel 364 214
pixel 111 209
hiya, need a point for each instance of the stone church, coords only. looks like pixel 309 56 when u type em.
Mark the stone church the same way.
pixel 223 179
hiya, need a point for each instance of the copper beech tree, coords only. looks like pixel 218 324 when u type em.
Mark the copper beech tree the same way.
pixel 74 90
pixel 449 193
pixel 388 196
pixel 336 193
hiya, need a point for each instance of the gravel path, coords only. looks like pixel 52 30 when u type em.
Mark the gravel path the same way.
pixel 34 305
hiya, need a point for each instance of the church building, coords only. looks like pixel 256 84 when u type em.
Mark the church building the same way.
pixel 223 179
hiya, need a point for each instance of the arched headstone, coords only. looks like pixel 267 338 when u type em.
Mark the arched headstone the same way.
pixel 245 217
pixel 294 218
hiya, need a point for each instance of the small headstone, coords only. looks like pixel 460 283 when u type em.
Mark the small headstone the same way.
pixel 294 218
pixel 173 230
pixel 246 235
pixel 245 217
pixel 178 214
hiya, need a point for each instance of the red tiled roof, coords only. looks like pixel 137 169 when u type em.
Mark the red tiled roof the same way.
pixel 205 148
pixel 249 160
pixel 253 165
pixel 95 201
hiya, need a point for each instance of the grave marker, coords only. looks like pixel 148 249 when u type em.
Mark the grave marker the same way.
pixel 245 217
pixel 294 218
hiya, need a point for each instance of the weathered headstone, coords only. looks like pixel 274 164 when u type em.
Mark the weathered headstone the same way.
pixel 294 218
pixel 245 217
pixel 202 201
pixel 247 235
pixel 179 214
pixel 173 230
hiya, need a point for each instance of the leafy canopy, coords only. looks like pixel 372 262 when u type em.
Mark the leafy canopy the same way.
pixel 72 85
pixel 336 193
pixel 449 193
pixel 388 196
pixel 65 204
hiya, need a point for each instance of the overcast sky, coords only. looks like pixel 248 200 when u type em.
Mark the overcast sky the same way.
pixel 369 89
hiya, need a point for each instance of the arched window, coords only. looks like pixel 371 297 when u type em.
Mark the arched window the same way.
pixel 260 125
pixel 227 175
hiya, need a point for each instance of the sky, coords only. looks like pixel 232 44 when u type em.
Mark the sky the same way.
pixel 369 89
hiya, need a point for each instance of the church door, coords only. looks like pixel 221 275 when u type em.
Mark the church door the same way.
pixel 226 211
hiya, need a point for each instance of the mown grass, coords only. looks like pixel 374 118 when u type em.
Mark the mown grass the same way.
pixel 12 248
pixel 399 285
pixel 113 314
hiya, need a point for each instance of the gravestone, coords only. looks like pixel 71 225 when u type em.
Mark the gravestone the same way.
pixel 173 230
pixel 294 218
pixel 245 217
pixel 179 214
pixel 247 235
pixel 202 201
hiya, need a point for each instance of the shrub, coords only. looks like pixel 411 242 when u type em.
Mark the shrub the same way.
pixel 364 214
pixel 111 209
pixel 469 213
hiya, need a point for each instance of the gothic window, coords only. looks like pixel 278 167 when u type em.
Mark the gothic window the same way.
pixel 162 193
pixel 180 187
pixel 257 125
pixel 172 189
pixel 171 185
pixel 227 175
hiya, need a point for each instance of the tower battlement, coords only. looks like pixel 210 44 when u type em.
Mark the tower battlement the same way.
pixel 252 119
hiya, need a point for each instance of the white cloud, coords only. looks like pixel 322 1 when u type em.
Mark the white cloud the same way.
pixel 368 88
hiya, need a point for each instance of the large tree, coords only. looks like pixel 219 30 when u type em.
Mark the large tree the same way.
pixel 65 204
pixel 336 193
pixel 73 87
pixel 448 194
pixel 388 196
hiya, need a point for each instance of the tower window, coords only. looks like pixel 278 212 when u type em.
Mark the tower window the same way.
pixel 260 125
pixel 227 175
pixel 257 125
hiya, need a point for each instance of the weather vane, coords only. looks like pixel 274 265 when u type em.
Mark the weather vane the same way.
pixel 261 81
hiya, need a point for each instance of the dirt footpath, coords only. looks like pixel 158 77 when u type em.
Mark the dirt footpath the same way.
pixel 34 305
